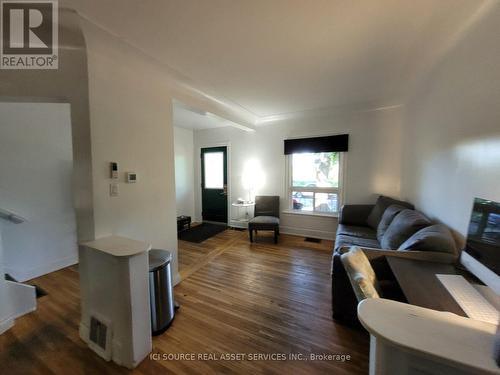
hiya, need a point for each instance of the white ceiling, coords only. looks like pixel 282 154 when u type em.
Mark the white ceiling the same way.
pixel 191 118
pixel 275 57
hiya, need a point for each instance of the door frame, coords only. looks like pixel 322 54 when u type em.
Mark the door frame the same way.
pixel 199 181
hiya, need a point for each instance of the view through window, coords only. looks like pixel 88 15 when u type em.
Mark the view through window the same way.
pixel 315 182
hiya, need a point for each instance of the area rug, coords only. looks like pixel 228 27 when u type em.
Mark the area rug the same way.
pixel 202 232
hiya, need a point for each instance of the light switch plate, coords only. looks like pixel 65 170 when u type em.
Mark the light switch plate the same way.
pixel 113 189
pixel 131 177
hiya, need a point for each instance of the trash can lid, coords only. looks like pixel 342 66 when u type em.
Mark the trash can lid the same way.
pixel 158 258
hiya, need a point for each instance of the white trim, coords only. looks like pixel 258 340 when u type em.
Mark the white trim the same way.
pixel 176 279
pixel 247 125
pixel 310 213
pixel 340 190
pixel 6 324
pixel 239 224
pixel 22 275
pixel 342 180
pixel 313 233
pixel 198 180
pixel 327 111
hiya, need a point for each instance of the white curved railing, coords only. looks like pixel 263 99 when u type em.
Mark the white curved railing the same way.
pixel 10 216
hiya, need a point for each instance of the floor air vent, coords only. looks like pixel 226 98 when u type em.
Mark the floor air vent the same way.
pixel 98 331
pixel 315 240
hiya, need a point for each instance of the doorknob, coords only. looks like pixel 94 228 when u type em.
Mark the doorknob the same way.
pixel 225 190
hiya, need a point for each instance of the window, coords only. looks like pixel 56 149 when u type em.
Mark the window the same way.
pixel 214 170
pixel 315 182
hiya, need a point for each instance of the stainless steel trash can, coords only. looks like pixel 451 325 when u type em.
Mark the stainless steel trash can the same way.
pixel 161 294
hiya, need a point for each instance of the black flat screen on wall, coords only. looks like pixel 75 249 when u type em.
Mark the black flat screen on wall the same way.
pixel 483 237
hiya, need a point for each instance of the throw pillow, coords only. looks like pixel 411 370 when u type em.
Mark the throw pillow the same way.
pixel 404 225
pixel 380 206
pixel 434 238
pixel 387 218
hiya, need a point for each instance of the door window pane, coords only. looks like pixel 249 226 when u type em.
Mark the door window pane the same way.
pixel 214 170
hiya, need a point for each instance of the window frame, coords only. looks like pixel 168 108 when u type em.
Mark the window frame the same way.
pixel 329 190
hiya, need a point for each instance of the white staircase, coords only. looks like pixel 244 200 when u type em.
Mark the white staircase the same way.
pixel 16 299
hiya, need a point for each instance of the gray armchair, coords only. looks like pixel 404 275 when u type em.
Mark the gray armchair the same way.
pixel 267 213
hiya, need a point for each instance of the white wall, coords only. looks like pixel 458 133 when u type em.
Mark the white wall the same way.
pixel 372 163
pixel 5 321
pixel 131 123
pixel 184 171
pixel 452 129
pixel 36 165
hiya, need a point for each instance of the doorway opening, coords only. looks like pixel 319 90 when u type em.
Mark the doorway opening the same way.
pixel 202 180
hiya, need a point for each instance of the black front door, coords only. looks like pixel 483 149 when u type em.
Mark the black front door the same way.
pixel 214 184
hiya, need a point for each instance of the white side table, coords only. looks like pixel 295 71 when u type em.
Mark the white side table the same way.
pixel 241 221
pixel 407 339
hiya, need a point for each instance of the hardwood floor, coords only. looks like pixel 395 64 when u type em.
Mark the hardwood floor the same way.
pixel 260 299
pixel 192 256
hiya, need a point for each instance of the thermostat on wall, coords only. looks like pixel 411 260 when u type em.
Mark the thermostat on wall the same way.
pixel 131 177
pixel 113 166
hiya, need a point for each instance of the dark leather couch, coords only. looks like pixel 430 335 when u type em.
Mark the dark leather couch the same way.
pixel 358 225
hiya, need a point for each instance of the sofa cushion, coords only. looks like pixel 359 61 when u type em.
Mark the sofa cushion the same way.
pixel 360 273
pixel 404 225
pixel 343 240
pixel 387 218
pixel 356 231
pixel 434 238
pixel 380 207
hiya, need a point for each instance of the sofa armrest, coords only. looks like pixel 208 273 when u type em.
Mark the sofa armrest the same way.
pixel 430 256
pixel 344 302
pixel 378 258
pixel 355 214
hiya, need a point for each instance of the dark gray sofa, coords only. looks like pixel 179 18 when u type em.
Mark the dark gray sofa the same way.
pixel 387 228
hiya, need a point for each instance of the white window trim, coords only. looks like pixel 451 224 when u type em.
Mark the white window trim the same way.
pixel 289 188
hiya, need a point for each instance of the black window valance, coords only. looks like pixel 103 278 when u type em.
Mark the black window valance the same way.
pixel 333 143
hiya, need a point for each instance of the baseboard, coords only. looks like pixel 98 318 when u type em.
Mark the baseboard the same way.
pixel 324 235
pixel 23 275
pixel 238 224
pixel 176 279
pixel 6 324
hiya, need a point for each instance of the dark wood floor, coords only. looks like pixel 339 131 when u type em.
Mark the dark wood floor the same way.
pixel 254 299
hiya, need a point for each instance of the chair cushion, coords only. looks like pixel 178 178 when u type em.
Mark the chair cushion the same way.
pixel 264 222
pixel 387 218
pixel 378 210
pixel 360 273
pixel 356 231
pixel 404 225
pixel 343 240
pixel 434 238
